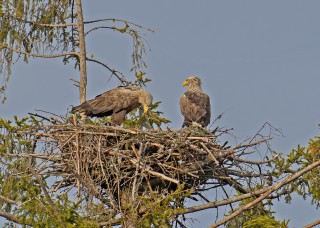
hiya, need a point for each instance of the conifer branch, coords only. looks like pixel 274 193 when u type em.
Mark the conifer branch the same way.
pixel 39 55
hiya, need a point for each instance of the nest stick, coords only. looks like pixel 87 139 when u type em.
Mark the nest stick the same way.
pixel 210 154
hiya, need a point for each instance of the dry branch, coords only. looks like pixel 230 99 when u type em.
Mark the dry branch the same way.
pixel 117 166
pixel 266 194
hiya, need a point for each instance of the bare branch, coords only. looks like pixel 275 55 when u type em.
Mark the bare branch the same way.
pixel 252 144
pixel 99 27
pixel 113 72
pixel 266 194
pixel 118 20
pixel 9 200
pixel 254 162
pixel 209 153
pixel 248 195
pixel 313 224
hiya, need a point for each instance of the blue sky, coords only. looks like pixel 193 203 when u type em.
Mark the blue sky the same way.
pixel 258 60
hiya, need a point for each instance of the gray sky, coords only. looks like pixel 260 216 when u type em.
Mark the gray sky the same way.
pixel 258 60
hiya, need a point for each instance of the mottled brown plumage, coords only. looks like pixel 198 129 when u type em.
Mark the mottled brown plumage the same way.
pixel 195 104
pixel 116 103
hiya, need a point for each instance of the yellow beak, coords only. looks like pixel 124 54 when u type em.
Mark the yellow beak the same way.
pixel 145 109
pixel 185 83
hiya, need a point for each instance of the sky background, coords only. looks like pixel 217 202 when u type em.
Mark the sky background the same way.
pixel 258 61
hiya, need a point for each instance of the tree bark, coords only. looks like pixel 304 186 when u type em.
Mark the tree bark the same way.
pixel 82 53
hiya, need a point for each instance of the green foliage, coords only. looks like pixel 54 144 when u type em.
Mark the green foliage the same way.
pixel 159 211
pixel 38 28
pixel 24 30
pixel 18 185
pixel 264 222
pixel 137 119
pixel 24 196
pixel 256 217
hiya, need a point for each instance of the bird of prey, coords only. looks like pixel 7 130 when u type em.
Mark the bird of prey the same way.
pixel 116 103
pixel 195 104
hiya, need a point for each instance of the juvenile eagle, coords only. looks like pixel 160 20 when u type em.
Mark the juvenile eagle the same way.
pixel 116 103
pixel 195 104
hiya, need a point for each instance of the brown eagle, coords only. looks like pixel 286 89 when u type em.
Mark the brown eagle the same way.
pixel 116 103
pixel 195 104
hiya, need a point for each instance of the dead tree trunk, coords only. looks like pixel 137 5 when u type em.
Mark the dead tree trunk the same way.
pixel 82 54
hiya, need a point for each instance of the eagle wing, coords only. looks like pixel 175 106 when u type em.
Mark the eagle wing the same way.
pixel 112 101
pixel 195 107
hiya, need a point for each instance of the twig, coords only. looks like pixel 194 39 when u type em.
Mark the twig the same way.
pixel 40 55
pixel 14 218
pixel 252 144
pixel 99 27
pixel 41 24
pixel 37 115
pixel 164 177
pixel 313 224
pixel 45 192
pixel 118 20
pixel 266 194
pixel 210 154
pixel 9 200
pixel 113 72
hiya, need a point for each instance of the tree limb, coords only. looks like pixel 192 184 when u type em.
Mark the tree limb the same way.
pixel 39 55
pixel 118 20
pixel 313 224
pixel 43 25
pixel 266 194
pixel 113 72
pixel 99 27
pixel 9 200
pixel 244 196
pixel 43 187
pixel 13 218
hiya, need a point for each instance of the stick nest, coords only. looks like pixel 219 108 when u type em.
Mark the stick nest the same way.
pixel 116 158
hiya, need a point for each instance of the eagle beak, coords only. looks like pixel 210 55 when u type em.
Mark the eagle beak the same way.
pixel 185 83
pixel 145 109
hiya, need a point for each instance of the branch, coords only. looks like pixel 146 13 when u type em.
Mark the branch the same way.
pixel 266 194
pixel 51 25
pixel 43 25
pixel 112 223
pixel 39 55
pixel 117 20
pixel 99 27
pixel 113 72
pixel 164 177
pixel 9 200
pixel 245 196
pixel 254 162
pixel 36 155
pixel 46 194
pixel 210 154
pixel 313 224
pixel 252 144
pixel 14 218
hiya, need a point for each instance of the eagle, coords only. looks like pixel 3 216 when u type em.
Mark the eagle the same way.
pixel 116 103
pixel 195 104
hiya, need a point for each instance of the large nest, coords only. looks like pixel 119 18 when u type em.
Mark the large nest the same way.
pixel 116 158
pixel 118 165
pixel 112 159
